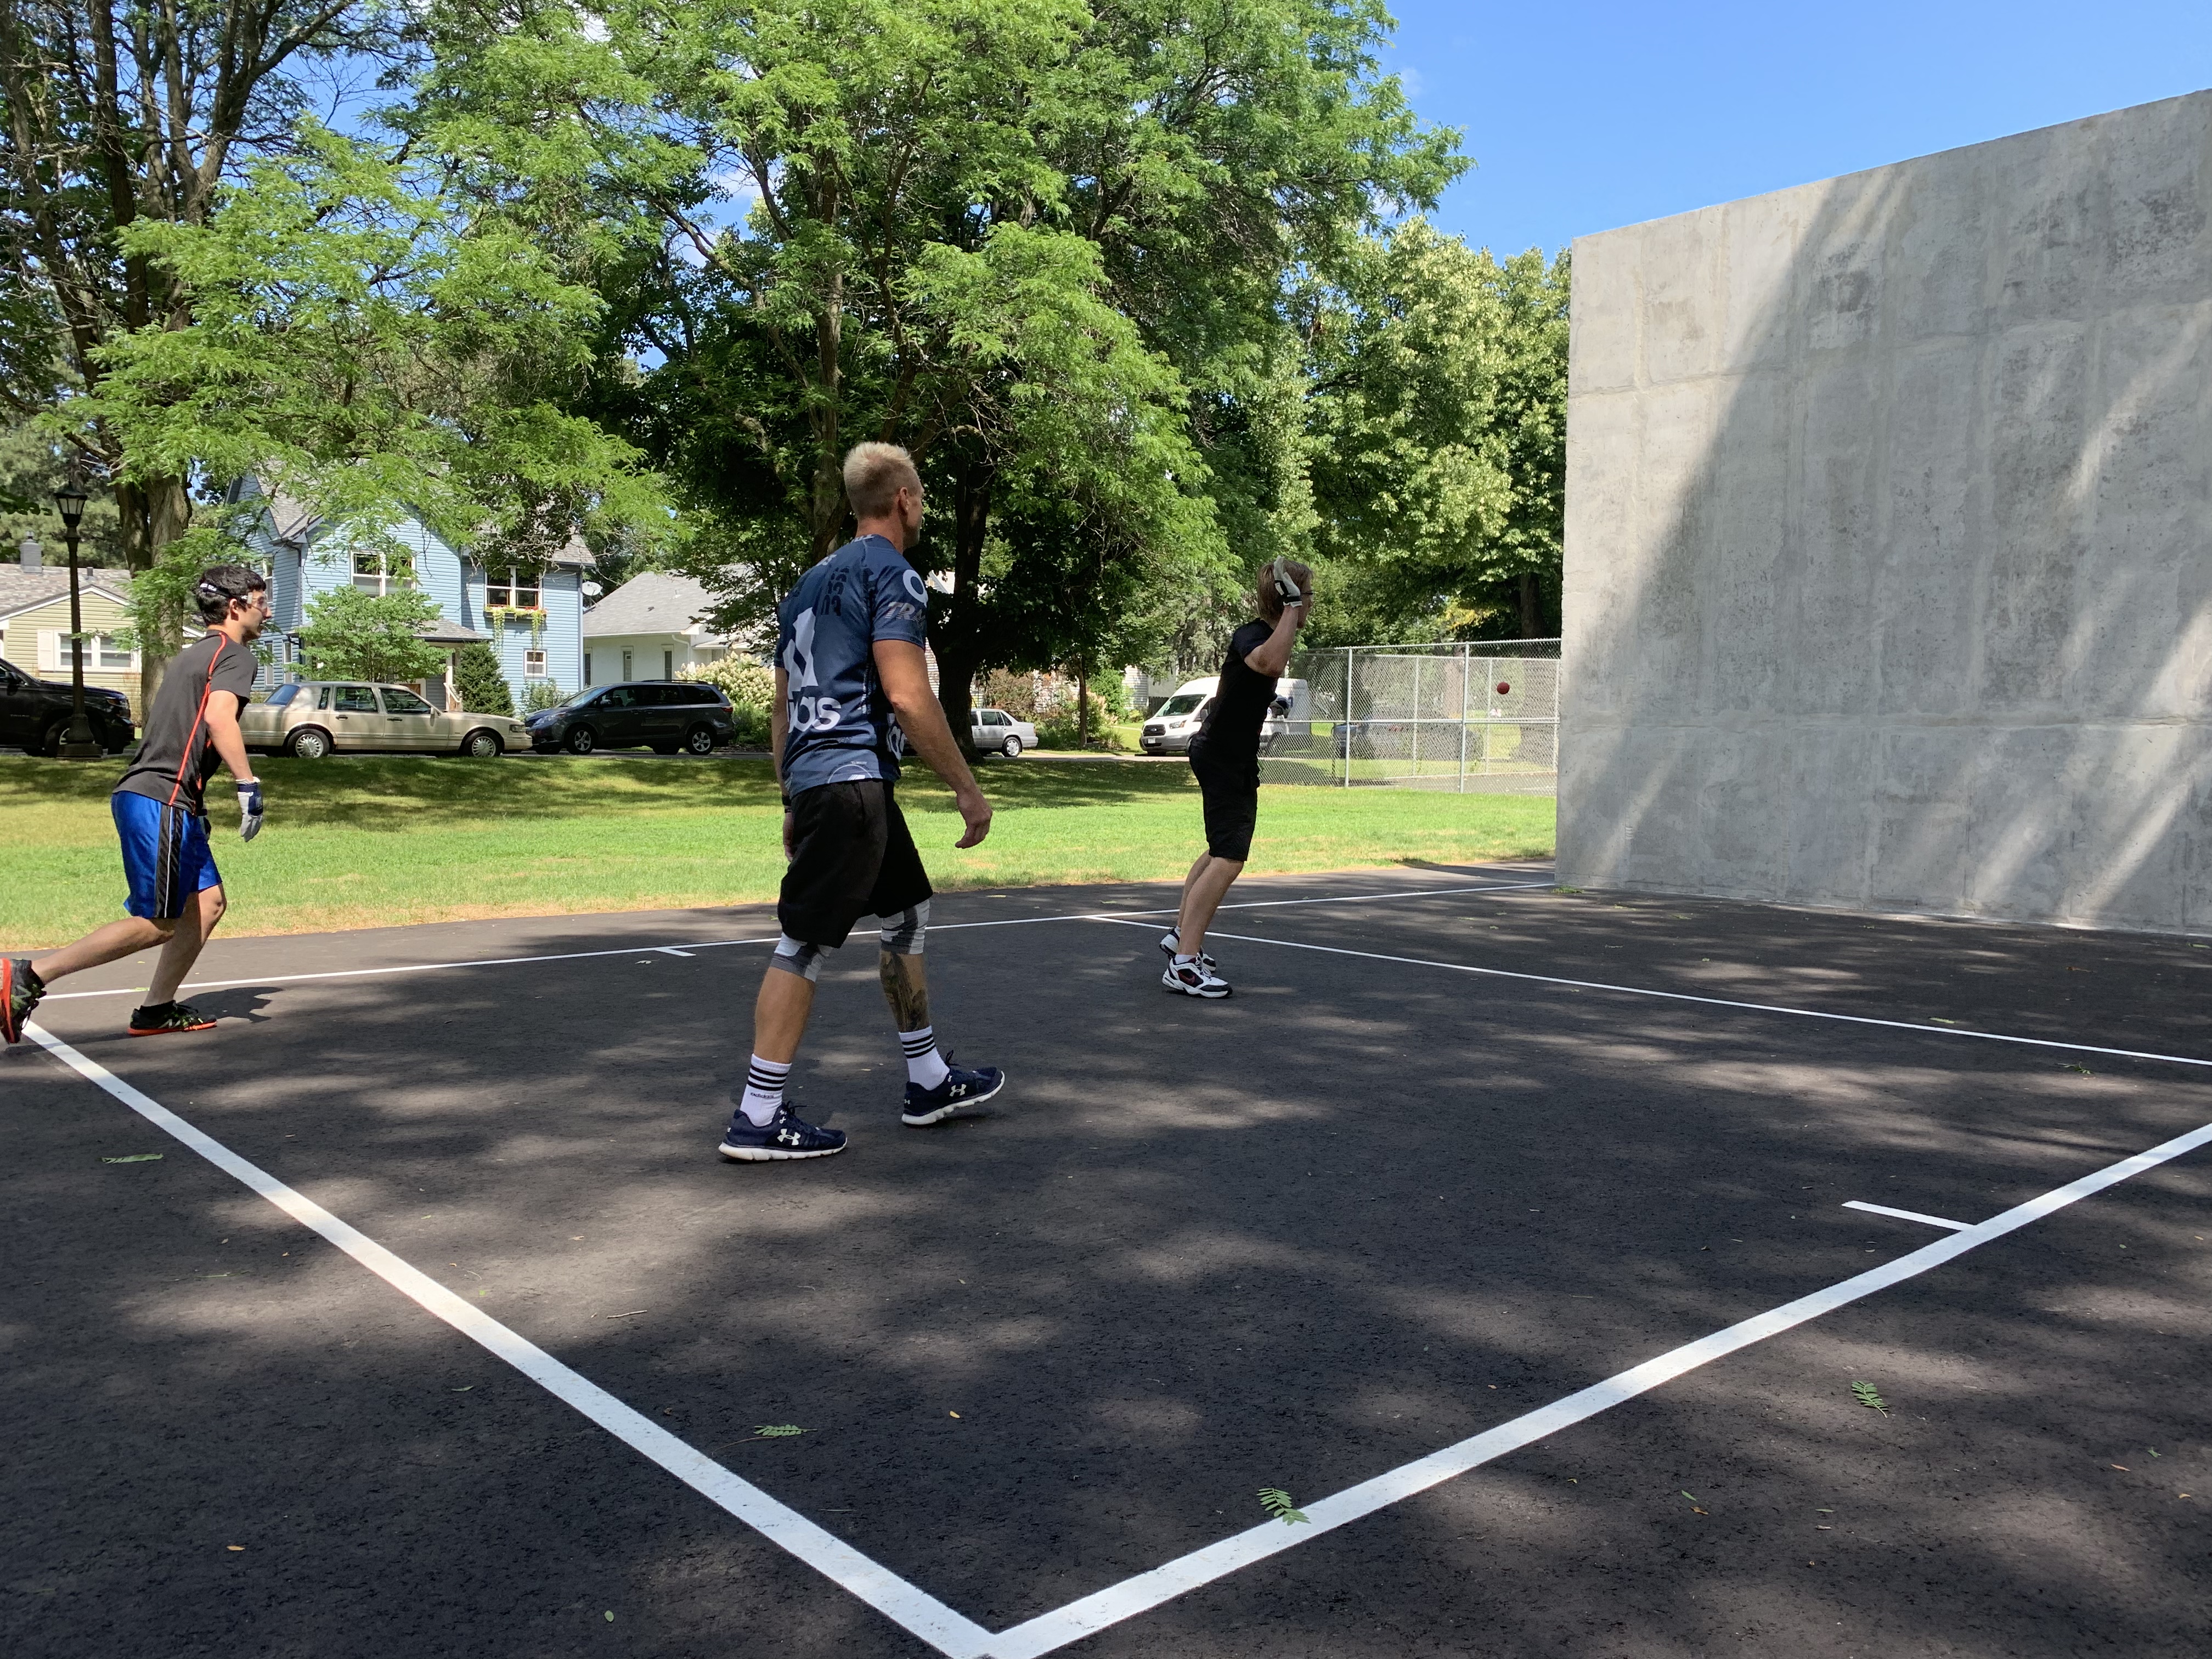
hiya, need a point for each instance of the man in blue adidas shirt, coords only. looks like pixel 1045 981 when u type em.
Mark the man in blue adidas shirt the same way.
pixel 852 690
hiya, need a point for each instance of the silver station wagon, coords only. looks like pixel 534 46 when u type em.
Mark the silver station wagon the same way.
pixel 313 718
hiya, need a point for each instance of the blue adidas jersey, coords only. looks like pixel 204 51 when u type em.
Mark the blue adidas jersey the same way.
pixel 840 727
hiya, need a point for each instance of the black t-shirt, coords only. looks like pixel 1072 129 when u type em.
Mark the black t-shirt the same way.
pixel 1231 738
pixel 175 756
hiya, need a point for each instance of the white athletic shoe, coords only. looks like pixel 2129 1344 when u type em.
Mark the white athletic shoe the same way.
pixel 1195 979
pixel 1169 941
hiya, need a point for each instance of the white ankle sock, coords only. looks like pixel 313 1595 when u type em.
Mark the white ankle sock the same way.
pixel 924 1064
pixel 763 1096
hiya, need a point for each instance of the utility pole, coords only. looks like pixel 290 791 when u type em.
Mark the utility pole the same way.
pixel 79 744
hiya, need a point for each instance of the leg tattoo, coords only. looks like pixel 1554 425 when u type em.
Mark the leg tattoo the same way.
pixel 906 987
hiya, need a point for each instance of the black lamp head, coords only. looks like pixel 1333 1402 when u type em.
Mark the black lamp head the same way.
pixel 68 502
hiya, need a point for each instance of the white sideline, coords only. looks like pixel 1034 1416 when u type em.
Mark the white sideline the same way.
pixel 948 1631
pixel 951 1632
pixel 1684 996
pixel 1080 1619
pixel 688 946
pixel 1905 1215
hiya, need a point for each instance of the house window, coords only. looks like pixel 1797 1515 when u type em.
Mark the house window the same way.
pixel 105 653
pixel 382 572
pixel 511 589
pixel 533 665
pixel 625 665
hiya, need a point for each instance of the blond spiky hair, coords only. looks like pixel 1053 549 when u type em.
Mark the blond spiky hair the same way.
pixel 875 474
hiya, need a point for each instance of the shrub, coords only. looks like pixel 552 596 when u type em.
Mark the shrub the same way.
pixel 746 684
pixel 479 683
pixel 540 694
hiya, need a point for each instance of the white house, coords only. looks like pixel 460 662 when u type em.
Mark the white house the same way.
pixel 647 628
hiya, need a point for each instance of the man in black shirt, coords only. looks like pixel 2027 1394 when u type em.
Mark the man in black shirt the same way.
pixel 161 817
pixel 1225 756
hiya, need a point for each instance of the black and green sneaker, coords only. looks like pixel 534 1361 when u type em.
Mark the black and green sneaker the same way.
pixel 20 991
pixel 159 1018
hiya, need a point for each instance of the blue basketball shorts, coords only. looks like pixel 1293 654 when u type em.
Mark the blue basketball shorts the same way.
pixel 165 855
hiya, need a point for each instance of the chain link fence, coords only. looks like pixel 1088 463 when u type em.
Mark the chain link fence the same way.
pixel 1479 718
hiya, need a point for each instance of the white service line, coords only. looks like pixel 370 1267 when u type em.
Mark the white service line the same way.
pixel 1080 1619
pixel 1905 1215
pixel 1710 1002
pixel 691 946
pixel 950 1632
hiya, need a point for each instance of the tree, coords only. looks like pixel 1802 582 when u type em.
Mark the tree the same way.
pixel 366 337
pixel 119 115
pixel 479 683
pixel 354 635
pixel 1040 242
pixel 1436 422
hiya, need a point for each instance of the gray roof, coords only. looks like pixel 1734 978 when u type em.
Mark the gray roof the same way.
pixel 20 589
pixel 654 603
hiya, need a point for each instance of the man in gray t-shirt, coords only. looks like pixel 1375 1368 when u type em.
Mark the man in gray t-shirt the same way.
pixel 161 816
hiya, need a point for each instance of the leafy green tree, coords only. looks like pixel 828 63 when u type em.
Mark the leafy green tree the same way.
pixel 119 114
pixel 355 635
pixel 480 683
pixel 1437 428
pixel 1044 243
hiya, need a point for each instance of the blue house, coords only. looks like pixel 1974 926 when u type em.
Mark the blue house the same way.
pixel 532 619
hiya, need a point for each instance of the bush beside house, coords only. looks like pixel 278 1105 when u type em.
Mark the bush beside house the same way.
pixel 479 683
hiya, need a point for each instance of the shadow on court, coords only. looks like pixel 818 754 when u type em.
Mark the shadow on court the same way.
pixel 1362 1210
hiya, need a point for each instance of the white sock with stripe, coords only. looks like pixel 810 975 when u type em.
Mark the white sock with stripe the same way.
pixel 923 1065
pixel 763 1096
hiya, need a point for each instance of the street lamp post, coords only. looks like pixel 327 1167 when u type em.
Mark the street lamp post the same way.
pixel 79 744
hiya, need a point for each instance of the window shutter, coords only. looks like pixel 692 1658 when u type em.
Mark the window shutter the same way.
pixel 50 649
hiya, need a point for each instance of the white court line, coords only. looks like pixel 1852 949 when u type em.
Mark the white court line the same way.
pixel 1905 1215
pixel 1080 1619
pixel 950 1632
pixel 1710 1002
pixel 691 947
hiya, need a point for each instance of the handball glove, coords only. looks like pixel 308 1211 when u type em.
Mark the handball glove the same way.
pixel 1286 587
pixel 249 809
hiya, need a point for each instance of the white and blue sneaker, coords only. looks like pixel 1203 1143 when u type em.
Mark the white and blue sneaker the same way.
pixel 959 1090
pixel 1170 939
pixel 783 1136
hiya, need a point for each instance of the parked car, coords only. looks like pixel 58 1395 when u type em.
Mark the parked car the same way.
pixel 994 728
pixel 314 718
pixel 663 715
pixel 1172 725
pixel 35 713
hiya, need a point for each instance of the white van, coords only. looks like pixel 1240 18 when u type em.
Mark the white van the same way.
pixel 1169 728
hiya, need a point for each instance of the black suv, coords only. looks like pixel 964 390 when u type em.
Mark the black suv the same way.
pixel 35 714
pixel 662 715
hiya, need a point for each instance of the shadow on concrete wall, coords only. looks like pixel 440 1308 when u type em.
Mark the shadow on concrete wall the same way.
pixel 1887 581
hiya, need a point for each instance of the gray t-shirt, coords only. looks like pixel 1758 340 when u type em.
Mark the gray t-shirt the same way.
pixel 175 756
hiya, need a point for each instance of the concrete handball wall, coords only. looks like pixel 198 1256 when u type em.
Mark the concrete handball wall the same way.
pixel 1888 578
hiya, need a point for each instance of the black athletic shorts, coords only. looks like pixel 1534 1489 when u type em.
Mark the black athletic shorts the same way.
pixel 851 857
pixel 1230 797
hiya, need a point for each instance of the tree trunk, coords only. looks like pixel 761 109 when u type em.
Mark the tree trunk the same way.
pixel 1082 707
pixel 958 641
pixel 153 516
pixel 1530 620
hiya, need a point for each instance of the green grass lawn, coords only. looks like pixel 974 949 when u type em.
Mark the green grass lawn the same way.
pixel 364 842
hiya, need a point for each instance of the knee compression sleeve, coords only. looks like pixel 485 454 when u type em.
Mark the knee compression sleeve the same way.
pixel 794 958
pixel 902 934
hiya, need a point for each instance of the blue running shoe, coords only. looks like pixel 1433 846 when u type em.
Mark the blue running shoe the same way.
pixel 783 1136
pixel 959 1090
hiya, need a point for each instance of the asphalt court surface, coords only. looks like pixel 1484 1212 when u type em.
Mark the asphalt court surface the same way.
pixel 1361 1211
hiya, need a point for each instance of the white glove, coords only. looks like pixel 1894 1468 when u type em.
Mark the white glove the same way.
pixel 249 809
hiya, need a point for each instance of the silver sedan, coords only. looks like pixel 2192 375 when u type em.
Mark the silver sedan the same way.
pixel 314 718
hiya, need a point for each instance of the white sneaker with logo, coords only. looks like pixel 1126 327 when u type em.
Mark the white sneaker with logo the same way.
pixel 1191 977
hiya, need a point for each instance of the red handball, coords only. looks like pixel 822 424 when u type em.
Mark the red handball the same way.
pixel 1503 688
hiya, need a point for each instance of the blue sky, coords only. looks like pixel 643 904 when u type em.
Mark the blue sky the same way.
pixel 1583 115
